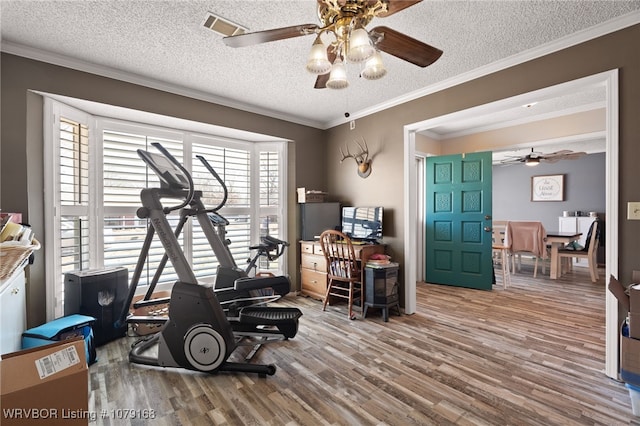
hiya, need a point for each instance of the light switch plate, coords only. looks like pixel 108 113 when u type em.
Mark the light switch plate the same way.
pixel 633 210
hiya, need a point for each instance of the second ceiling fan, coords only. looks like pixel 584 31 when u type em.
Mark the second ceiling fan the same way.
pixel 535 158
pixel 344 22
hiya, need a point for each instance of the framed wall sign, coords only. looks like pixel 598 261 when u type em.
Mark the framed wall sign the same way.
pixel 547 188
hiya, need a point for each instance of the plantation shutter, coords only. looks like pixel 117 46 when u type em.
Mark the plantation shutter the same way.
pixel 124 176
pixel 233 166
pixel 73 198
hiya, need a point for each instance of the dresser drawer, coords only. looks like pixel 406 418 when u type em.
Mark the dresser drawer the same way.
pixel 313 283
pixel 313 262
pixel 306 247
pixel 311 247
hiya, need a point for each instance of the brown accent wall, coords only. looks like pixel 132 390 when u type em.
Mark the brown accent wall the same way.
pixel 384 131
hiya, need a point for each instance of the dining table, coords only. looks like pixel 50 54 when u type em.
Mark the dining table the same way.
pixel 557 240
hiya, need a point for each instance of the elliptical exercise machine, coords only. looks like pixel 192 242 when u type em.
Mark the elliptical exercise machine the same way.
pixel 239 290
pixel 197 334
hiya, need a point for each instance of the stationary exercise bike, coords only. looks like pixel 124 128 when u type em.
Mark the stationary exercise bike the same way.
pixel 228 274
pixel 198 334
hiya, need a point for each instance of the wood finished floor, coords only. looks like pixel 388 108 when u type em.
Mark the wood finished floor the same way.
pixel 529 355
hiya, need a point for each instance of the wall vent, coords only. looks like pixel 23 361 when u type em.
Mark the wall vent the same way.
pixel 222 26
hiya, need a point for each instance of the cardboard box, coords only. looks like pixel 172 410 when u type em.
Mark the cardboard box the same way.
pixel 618 290
pixel 634 311
pixel 159 310
pixel 629 357
pixel 45 385
pixel 305 196
pixel 634 325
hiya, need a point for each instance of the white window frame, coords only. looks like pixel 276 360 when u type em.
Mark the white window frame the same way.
pixel 96 210
pixel 52 207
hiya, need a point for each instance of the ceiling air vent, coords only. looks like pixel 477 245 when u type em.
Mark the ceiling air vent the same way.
pixel 222 26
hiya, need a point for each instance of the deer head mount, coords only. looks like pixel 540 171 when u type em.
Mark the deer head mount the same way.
pixel 361 158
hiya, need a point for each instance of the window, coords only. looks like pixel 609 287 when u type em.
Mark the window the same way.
pixel 96 181
pixel 74 194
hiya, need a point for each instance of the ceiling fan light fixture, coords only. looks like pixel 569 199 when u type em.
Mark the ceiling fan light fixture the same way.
pixel 318 62
pixel 532 161
pixel 374 68
pixel 360 48
pixel 338 76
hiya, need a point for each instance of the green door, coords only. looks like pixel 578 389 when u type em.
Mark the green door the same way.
pixel 458 231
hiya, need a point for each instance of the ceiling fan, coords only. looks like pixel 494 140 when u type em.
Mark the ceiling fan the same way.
pixel 535 158
pixel 344 22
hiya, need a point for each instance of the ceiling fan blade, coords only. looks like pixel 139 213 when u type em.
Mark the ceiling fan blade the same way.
pixel 506 163
pixel 574 155
pixel 249 39
pixel 321 81
pixel 404 47
pixel 512 160
pixel 394 6
pixel 557 154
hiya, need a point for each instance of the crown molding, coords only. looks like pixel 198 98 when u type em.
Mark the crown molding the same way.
pixel 570 40
pixel 596 31
pixel 104 71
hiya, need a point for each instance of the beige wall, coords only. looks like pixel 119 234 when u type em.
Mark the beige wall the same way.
pixel 559 127
pixel 427 145
pixel 507 137
pixel 385 131
pixel 21 146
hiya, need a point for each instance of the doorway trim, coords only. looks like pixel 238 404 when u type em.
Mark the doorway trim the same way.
pixel 610 80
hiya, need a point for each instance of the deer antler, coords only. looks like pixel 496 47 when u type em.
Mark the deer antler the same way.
pixel 361 158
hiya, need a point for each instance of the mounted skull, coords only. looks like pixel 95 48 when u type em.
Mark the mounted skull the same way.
pixel 361 158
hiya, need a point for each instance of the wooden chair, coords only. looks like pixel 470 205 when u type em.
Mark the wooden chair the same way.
pixel 527 237
pixel 500 250
pixel 590 252
pixel 343 271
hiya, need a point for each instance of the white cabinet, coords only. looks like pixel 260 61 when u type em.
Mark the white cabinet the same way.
pixel 577 224
pixel 13 312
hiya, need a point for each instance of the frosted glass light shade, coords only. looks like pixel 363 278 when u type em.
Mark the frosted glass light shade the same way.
pixel 532 162
pixel 318 63
pixel 338 76
pixel 374 68
pixel 360 48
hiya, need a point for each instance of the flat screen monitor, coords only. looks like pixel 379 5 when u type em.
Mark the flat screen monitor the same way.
pixel 362 223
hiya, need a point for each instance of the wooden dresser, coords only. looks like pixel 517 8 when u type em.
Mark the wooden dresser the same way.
pixel 313 268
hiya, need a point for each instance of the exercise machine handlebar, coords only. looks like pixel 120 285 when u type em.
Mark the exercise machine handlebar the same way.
pixel 215 174
pixel 172 174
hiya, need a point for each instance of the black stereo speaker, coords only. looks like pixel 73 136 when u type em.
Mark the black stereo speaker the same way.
pixel 99 293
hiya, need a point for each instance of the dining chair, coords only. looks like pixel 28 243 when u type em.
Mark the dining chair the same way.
pixel 343 270
pixel 500 250
pixel 527 237
pixel 589 252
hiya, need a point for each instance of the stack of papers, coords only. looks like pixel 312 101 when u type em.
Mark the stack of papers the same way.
pixel 15 232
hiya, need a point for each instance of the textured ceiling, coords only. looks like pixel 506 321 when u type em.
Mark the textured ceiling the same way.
pixel 166 43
